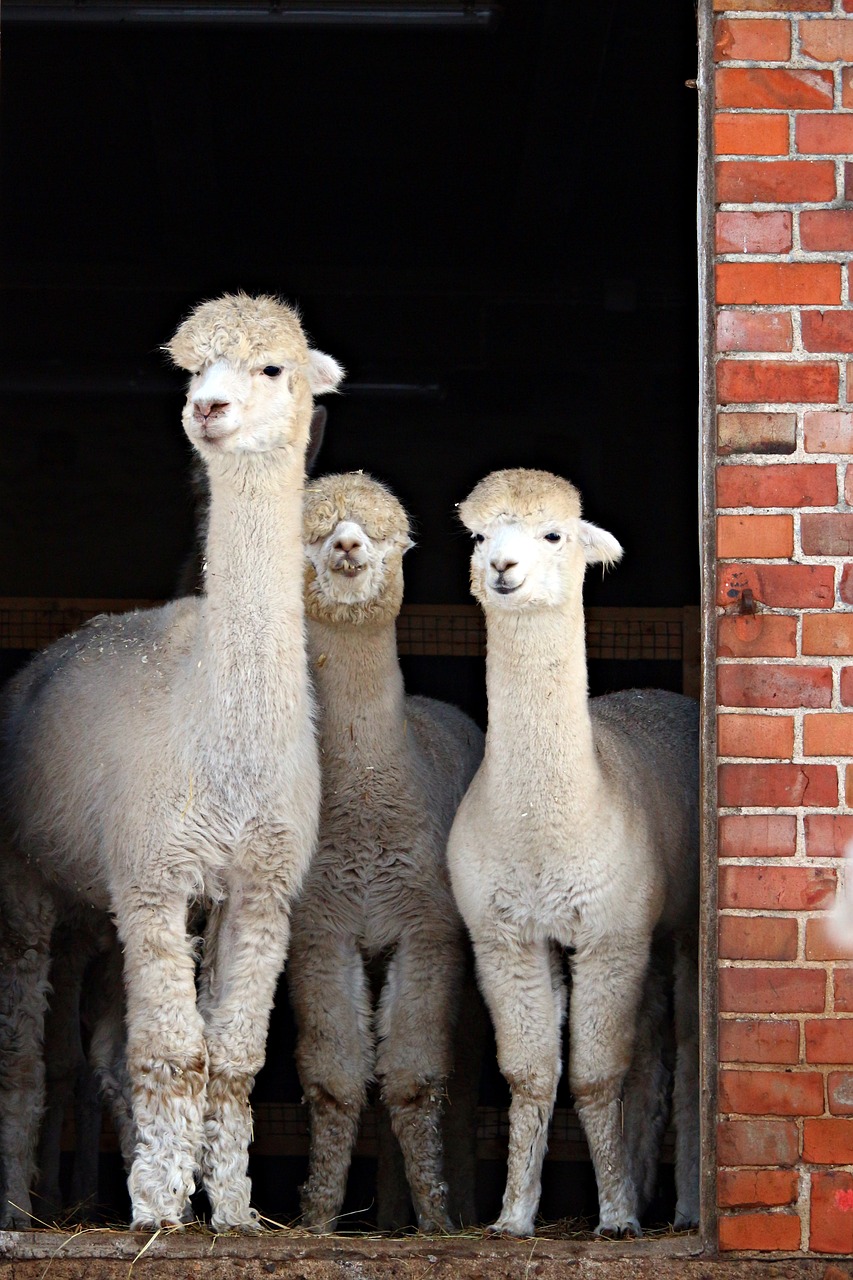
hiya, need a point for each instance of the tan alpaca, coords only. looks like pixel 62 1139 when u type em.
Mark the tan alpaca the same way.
pixel 166 756
pixel 394 770
pixel 580 830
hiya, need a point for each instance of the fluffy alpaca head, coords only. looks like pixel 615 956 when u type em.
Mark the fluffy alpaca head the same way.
pixel 531 543
pixel 253 375
pixel 356 534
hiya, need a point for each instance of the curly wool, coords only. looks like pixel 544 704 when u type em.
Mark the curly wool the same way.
pixel 241 329
pixel 520 493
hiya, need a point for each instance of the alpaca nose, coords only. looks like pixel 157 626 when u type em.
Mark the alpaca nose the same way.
pixel 206 410
pixel 501 566
pixel 347 543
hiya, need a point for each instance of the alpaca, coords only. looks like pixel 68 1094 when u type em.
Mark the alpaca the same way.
pixel 579 831
pixel 394 770
pixel 198 778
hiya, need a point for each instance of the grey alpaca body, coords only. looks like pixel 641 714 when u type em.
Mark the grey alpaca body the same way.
pixel 394 770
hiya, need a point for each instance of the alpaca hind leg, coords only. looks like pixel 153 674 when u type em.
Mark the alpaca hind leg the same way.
pixel 686 1088
pixel 27 917
pixel 463 1094
pixel 334 1055
pixel 647 1088
pixel 417 1016
pixel 525 993
pixel 607 985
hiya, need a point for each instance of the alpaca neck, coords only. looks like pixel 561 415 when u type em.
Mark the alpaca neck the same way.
pixel 360 689
pixel 539 721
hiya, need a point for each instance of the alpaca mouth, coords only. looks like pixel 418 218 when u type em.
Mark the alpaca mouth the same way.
pixel 349 568
pixel 503 588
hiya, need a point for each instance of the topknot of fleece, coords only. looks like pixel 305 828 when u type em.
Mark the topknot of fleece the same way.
pixel 241 329
pixel 353 496
pixel 520 494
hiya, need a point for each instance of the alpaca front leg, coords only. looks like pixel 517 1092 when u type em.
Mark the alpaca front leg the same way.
pixel 685 1096
pixel 166 1057
pixel 525 992
pixel 607 985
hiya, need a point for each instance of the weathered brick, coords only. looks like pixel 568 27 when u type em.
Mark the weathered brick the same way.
pixel 767 1093
pixel 764 786
pixel 745 231
pixel 777 484
pixel 758 737
pixel 775 182
pixel 848 471
pixel 769 87
pixel 821 230
pixel 750 39
pixel 848 786
pixel 773 685
pixel 757 1142
pixel 828 735
pixel 756 331
pixel 757 635
pixel 775 283
pixel 827 39
pixel 827 634
pixel 845 590
pixel 830 1219
pixel 818 134
pixel 828 431
pixel 827 834
pixel 774 990
pixel 775 381
pixel 839 1090
pixel 757 938
pixel 758 1040
pixel 736 134
pixel 847 86
pixel 776 6
pixel 828 1141
pixel 829 534
pixel 825 330
pixel 759 537
pixel 780 586
pixel 825 942
pixel 757 835
pixel 742 1188
pixel 776 888
pixel 842 980
pixel 830 1040
pixel 846 686
pixel 760 1231
pixel 741 432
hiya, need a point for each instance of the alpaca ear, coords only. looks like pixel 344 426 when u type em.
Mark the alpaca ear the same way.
pixel 315 437
pixel 324 373
pixel 599 546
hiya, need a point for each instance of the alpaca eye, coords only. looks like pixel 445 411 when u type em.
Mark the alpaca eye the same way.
pixel 272 370
pixel 479 537
pixel 552 537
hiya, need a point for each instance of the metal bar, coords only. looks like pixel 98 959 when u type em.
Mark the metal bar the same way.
pixel 269 15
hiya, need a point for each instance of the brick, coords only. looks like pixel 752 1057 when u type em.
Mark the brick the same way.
pixel 827 431
pixel 825 330
pixel 743 1188
pixel 757 835
pixel 757 635
pixel 774 990
pixel 818 134
pixel 848 786
pixel 758 737
pixel 736 134
pixel 749 39
pixel 847 86
pixel 827 834
pixel 827 40
pixel 848 181
pixel 767 1093
pixel 776 888
pixel 845 590
pixel 828 735
pixel 756 433
pixel 773 685
pixel 750 283
pixel 777 484
pixel 825 942
pixel 767 786
pixel 839 1091
pixel 830 1040
pixel 848 473
pixel 755 330
pixel 775 382
pixel 822 230
pixel 843 987
pixel 827 634
pixel 828 1141
pixel 757 1142
pixel 761 1231
pixel 776 6
pixel 846 686
pixel 830 1217
pixel 757 938
pixel 769 87
pixel 775 182
pixel 758 537
pixel 779 586
pixel 758 1040
pixel 745 231
pixel 829 534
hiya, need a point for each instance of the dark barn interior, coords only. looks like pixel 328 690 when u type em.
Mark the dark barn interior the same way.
pixel 486 216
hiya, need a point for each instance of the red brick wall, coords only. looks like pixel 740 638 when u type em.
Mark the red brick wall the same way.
pixel 784 341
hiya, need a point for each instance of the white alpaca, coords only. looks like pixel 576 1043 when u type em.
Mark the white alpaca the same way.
pixel 165 756
pixel 580 830
pixel 394 770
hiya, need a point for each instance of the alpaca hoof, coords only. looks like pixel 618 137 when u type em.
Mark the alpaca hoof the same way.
pixel 437 1225
pixel 12 1219
pixel 506 1227
pixel 685 1220
pixel 248 1226
pixel 630 1229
